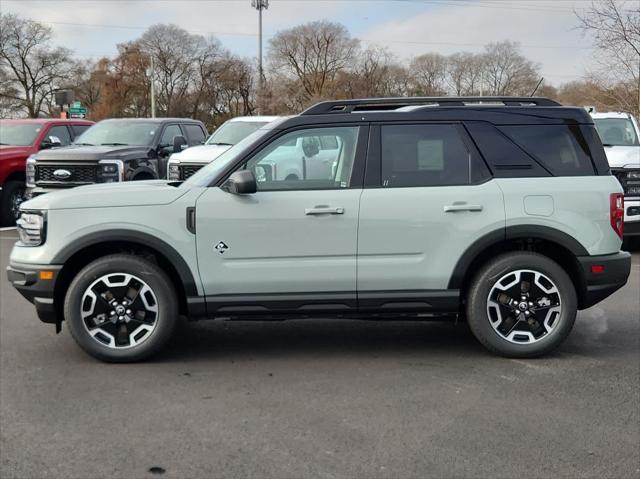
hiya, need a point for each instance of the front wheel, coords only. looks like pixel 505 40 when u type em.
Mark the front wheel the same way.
pixel 521 304
pixel 11 197
pixel 121 308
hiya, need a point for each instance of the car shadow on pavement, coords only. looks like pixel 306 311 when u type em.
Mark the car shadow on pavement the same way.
pixel 318 337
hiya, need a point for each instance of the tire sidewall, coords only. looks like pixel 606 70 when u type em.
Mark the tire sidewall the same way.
pixel 478 297
pixel 7 218
pixel 155 279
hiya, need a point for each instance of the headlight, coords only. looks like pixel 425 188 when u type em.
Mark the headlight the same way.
pixel 31 228
pixel 633 175
pixel 110 171
pixel 173 171
pixel 30 171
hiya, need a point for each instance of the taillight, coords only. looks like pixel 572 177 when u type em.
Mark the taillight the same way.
pixel 616 212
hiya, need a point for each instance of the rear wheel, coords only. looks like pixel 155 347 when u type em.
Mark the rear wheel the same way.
pixel 11 196
pixel 521 304
pixel 121 308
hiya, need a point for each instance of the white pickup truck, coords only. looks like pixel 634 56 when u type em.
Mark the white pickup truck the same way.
pixel 185 163
pixel 620 136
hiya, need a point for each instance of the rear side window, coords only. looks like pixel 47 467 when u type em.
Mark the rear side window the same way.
pixel 423 155
pixel 195 134
pixel 79 129
pixel 559 148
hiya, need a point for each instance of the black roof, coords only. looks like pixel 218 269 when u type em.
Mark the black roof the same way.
pixel 496 110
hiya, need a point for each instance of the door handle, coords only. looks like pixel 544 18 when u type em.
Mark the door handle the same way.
pixel 461 207
pixel 324 210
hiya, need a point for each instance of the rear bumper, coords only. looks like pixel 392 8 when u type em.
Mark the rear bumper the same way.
pixel 614 271
pixel 26 279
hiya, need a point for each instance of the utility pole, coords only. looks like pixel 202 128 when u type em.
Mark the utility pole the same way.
pixel 260 5
pixel 153 88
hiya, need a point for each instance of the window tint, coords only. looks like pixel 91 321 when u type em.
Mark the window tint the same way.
pixel 79 129
pixel 297 160
pixel 616 131
pixel 423 155
pixel 169 133
pixel 559 148
pixel 195 134
pixel 62 133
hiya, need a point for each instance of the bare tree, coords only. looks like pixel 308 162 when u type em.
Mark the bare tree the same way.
pixel 313 55
pixel 429 74
pixel 615 26
pixel 507 71
pixel 464 73
pixel 32 69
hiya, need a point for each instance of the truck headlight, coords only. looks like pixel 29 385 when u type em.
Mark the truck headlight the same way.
pixel 110 171
pixel 173 171
pixel 634 175
pixel 30 172
pixel 31 228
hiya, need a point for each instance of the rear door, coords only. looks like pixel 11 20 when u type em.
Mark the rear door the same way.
pixel 428 197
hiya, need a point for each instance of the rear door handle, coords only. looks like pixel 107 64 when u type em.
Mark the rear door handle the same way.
pixel 461 207
pixel 324 210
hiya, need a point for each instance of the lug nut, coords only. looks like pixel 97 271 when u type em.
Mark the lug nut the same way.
pixel 129 312
pixel 527 313
pixel 121 318
pixel 112 313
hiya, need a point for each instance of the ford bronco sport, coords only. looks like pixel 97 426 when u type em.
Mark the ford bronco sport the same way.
pixel 112 151
pixel 502 211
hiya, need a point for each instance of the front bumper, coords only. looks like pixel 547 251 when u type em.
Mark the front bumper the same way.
pixel 632 217
pixel 602 276
pixel 27 280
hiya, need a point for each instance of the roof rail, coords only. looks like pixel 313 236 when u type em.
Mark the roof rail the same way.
pixel 377 104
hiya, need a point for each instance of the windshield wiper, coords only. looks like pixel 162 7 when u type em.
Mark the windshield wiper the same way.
pixel 4 144
pixel 84 144
pixel 220 143
pixel 608 144
pixel 115 143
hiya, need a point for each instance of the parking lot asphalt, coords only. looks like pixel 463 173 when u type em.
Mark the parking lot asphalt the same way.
pixel 322 398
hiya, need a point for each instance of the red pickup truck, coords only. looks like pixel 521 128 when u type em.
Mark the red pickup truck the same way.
pixel 18 140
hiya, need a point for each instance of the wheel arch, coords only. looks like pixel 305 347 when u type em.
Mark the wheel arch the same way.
pixel 143 172
pixel 553 243
pixel 96 245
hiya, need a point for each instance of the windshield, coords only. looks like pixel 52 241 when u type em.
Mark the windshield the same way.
pixel 115 133
pixel 19 134
pixel 231 132
pixel 204 176
pixel 616 131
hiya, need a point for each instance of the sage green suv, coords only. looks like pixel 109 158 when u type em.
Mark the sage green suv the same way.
pixel 501 211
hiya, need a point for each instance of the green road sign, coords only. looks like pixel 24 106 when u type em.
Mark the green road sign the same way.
pixel 77 110
pixel 76 104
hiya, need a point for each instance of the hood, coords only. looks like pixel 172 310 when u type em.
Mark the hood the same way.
pixel 6 151
pixel 621 156
pixel 109 195
pixel 200 154
pixel 89 153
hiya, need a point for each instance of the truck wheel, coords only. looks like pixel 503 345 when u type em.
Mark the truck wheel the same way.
pixel 11 197
pixel 521 304
pixel 121 308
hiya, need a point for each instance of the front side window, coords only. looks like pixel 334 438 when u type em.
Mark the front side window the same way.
pixel 115 132
pixel 61 133
pixel 298 160
pixel 170 132
pixel 616 131
pixel 195 134
pixel 423 155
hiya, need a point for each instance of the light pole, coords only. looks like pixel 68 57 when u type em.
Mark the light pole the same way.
pixel 260 5
pixel 151 74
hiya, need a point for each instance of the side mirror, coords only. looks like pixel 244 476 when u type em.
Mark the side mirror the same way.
pixel 242 182
pixel 179 143
pixel 50 142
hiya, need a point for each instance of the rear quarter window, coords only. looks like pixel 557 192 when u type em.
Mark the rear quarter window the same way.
pixel 561 149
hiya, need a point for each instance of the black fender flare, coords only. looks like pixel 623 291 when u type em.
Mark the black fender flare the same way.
pixel 511 233
pixel 143 239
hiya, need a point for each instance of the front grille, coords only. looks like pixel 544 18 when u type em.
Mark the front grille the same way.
pixel 187 171
pixel 80 174
pixel 631 186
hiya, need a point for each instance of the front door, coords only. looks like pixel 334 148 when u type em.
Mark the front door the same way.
pixel 290 247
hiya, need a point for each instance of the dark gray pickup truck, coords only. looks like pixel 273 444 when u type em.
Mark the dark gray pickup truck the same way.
pixel 111 151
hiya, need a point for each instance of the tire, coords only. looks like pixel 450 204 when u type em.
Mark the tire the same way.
pixel 550 306
pixel 141 331
pixel 10 198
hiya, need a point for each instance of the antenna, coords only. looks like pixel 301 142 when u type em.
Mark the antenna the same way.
pixel 537 86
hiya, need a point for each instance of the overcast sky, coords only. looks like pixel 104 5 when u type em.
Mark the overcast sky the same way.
pixel 546 29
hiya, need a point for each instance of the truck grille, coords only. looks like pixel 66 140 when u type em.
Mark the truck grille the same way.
pixel 631 186
pixel 80 174
pixel 187 171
